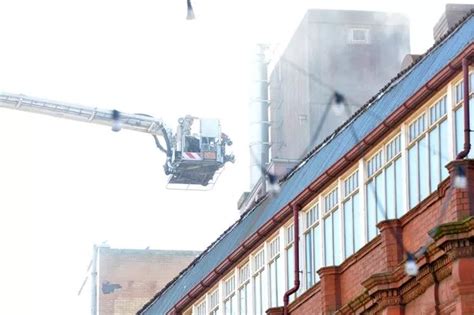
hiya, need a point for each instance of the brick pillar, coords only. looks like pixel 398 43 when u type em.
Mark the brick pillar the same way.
pixel 463 286
pixel 330 290
pixel 392 243
pixel 461 200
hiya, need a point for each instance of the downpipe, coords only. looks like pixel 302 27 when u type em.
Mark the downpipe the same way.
pixel 467 130
pixel 296 252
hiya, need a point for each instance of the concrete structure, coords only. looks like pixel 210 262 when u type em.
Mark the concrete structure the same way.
pixel 127 278
pixel 450 17
pixel 330 50
pixel 385 189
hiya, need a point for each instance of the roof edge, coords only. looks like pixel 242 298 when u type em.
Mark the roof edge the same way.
pixel 402 111
pixel 356 152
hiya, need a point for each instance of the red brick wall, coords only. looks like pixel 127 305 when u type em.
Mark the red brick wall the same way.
pixel 359 268
pixel 141 274
pixel 310 303
pixel 373 280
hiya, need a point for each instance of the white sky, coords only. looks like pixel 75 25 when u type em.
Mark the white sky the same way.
pixel 66 185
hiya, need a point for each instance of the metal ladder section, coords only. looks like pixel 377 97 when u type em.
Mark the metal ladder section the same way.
pixel 95 115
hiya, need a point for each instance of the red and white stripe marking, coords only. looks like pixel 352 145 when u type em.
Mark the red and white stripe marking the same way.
pixel 192 156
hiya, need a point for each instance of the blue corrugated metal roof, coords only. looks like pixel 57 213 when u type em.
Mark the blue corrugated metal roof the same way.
pixel 320 160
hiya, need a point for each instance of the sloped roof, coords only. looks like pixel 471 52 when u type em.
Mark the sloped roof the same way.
pixel 320 159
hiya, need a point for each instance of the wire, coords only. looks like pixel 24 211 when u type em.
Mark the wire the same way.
pixel 190 11
pixel 273 179
pixel 339 99
pixel 410 265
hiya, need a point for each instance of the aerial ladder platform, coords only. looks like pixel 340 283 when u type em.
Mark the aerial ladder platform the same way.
pixel 195 152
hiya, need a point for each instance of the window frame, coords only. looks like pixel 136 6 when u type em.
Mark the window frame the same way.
pixel 333 192
pixel 422 142
pixel 350 197
pixel 312 225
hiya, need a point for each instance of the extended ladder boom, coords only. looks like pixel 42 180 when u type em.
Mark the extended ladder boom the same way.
pixel 135 122
pixel 195 153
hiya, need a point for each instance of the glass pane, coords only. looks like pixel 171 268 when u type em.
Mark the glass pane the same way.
pixel 309 258
pixel 264 291
pixel 371 211
pixel 435 159
pixel 279 282
pixel 471 120
pixel 443 130
pixel 243 299
pixel 459 118
pixel 380 197
pixel 290 265
pixel 413 175
pixel 318 251
pixel 227 307
pixel 273 283
pixel 348 229
pixel 391 192
pixel 399 187
pixel 257 294
pixel 337 232
pixel 358 223
pixel 233 303
pixel 328 257
pixel 424 168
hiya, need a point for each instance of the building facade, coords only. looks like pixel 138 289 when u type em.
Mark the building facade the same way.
pixel 389 187
pixel 128 278
pixel 331 49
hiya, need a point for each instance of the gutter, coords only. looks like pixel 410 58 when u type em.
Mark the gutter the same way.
pixel 355 153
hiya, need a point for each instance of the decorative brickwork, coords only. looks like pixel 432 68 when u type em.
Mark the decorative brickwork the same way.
pixel 445 258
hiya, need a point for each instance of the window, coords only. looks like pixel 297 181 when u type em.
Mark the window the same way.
pixel 259 288
pixel 359 36
pixel 200 309
pixel 312 239
pixel 353 228
pixel 290 257
pixel 459 114
pixel 427 152
pixel 230 300
pixel 274 271
pixel 244 289
pixel 214 302
pixel 384 186
pixel 332 230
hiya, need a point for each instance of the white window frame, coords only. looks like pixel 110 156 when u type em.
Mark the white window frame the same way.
pixel 200 308
pixel 312 221
pixel 229 294
pixel 457 104
pixel 424 135
pixel 274 258
pixel 213 309
pixel 349 197
pixel 327 212
pixel 245 284
pixel 259 271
